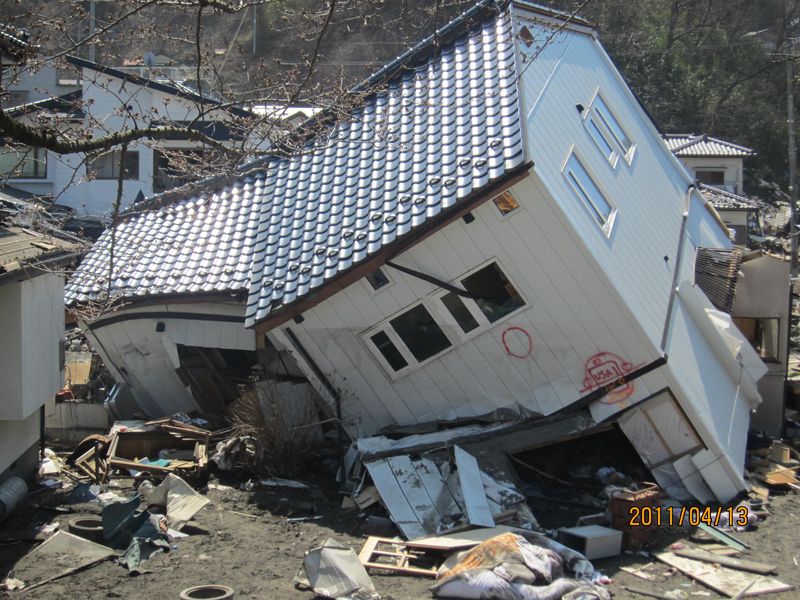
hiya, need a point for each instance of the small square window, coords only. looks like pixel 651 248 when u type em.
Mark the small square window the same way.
pixel 420 333
pixel 456 307
pixel 505 203
pixel 377 279
pixel 497 296
pixel 389 351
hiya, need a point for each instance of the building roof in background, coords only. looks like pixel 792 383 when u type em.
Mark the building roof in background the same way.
pixel 168 88
pixel 722 200
pixel 693 145
pixel 67 105
pixel 22 249
pixel 14 41
pixel 443 125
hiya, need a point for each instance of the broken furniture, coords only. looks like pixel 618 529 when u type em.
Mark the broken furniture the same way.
pixel 394 556
pixel 593 541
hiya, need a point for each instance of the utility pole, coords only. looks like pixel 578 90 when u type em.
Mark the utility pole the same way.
pixel 792 157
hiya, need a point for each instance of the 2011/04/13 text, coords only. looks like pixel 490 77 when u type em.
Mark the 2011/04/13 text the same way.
pixel 648 516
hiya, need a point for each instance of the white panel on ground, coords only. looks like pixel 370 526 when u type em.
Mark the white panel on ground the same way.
pixel 469 475
pixel 713 471
pixel 395 500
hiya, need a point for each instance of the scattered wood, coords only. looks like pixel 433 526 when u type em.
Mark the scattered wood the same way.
pixel 722 580
pixel 640 572
pixel 726 561
pixel 723 537
pixel 634 590
pixel 460 541
pixel 395 556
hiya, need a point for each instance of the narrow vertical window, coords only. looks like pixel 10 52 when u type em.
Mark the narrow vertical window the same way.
pixel 588 192
pixel 389 351
pixel 456 307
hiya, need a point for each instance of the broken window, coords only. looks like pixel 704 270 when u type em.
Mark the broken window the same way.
pixel 589 193
pixel 377 279
pixel 497 297
pixel 420 333
pixel 389 351
pixel 455 305
pixel 505 203
pixel 762 335
pixel 106 166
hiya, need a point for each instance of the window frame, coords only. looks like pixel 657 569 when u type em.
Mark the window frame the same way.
pixel 484 324
pixel 608 223
pixel 604 126
pixel 92 173
pixel 29 153
pixel 503 216
pixel 386 286
pixel 412 363
pixel 758 343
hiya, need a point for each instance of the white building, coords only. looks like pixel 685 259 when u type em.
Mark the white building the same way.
pixel 498 225
pixel 714 162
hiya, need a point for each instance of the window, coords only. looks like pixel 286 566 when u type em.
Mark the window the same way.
pixel 607 132
pixel 714 178
pixel 68 76
pixel 505 203
pixel 455 305
pixel 763 335
pixel 588 191
pixel 420 333
pixel 389 351
pixel 15 98
pixel 23 163
pixel 174 167
pixel 377 279
pixel 497 296
pixel 106 166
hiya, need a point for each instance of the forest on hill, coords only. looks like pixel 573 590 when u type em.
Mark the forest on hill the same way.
pixel 698 66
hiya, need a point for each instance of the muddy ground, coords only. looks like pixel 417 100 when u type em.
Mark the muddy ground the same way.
pixel 245 541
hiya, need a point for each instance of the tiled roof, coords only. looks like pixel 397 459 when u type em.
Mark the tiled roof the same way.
pixel 199 244
pixel 14 41
pixel 436 133
pixel 721 200
pixel 689 144
pixel 444 124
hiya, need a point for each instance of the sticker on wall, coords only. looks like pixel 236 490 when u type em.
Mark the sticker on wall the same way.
pixel 517 342
pixel 606 369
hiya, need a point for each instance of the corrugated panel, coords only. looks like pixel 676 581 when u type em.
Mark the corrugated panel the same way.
pixel 716 272
pixel 687 145
pixel 435 132
pixel 19 246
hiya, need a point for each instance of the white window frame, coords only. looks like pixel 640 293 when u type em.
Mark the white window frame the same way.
pixel 585 197
pixel 484 324
pixel 596 121
pixel 386 327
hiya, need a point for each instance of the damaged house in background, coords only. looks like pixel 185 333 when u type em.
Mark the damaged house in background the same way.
pixel 496 231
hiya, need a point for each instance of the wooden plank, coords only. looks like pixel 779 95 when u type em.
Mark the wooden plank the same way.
pixel 461 540
pixel 727 582
pixel 726 561
pixel 723 536
pixel 123 463
pixel 469 475
pixel 394 499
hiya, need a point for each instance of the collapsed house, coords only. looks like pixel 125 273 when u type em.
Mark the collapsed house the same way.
pixel 496 228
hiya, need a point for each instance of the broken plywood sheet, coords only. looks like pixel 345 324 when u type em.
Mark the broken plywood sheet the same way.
pixel 469 476
pixel 462 539
pixel 692 480
pixel 60 555
pixel 727 582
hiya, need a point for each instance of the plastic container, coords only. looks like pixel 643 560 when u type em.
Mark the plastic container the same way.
pixel 12 491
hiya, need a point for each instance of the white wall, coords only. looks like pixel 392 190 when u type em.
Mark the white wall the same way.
pixel 571 315
pixel 149 358
pixel 31 328
pixel 734 172
pixel 16 437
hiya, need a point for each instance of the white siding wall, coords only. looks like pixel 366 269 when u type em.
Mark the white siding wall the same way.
pixel 571 315
pixel 16 437
pixel 734 173
pixel 32 325
pixel 150 357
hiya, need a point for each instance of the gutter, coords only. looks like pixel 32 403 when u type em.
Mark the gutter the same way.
pixel 676 274
pixel 39 267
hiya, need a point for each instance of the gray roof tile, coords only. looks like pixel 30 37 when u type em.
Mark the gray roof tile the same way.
pixel 689 145
pixel 432 134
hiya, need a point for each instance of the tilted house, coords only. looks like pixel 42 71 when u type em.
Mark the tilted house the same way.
pixel 497 225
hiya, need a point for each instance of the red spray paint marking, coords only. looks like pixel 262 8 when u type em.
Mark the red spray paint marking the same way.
pixel 523 341
pixel 606 369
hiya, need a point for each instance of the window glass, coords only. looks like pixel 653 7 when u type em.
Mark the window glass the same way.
pixel 377 279
pixel 505 202
pixel 608 119
pixel 106 166
pixel 710 177
pixel 175 167
pixel 389 351
pixel 585 187
pixel 23 163
pixel 498 296
pixel 600 140
pixel 420 333
pixel 455 305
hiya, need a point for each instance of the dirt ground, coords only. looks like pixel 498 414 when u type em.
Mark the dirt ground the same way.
pixel 245 541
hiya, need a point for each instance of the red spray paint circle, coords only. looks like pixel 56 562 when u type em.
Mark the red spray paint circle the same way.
pixel 518 339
